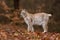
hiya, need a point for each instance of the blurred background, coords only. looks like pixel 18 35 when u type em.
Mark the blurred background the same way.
pixel 13 8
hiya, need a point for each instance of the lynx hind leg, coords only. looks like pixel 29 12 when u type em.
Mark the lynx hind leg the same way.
pixel 45 28
pixel 28 28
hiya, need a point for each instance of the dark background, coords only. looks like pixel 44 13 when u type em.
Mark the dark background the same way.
pixel 34 6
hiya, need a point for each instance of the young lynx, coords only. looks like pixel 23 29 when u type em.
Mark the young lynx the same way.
pixel 35 19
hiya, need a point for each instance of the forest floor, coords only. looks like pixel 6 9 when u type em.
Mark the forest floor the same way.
pixel 12 28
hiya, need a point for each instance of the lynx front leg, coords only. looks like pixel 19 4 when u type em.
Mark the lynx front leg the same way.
pixel 30 28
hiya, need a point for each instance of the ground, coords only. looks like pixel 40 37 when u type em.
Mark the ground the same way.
pixel 14 28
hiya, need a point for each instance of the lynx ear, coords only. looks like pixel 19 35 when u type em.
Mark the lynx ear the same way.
pixel 23 10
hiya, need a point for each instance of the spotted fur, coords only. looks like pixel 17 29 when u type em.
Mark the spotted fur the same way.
pixel 35 19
